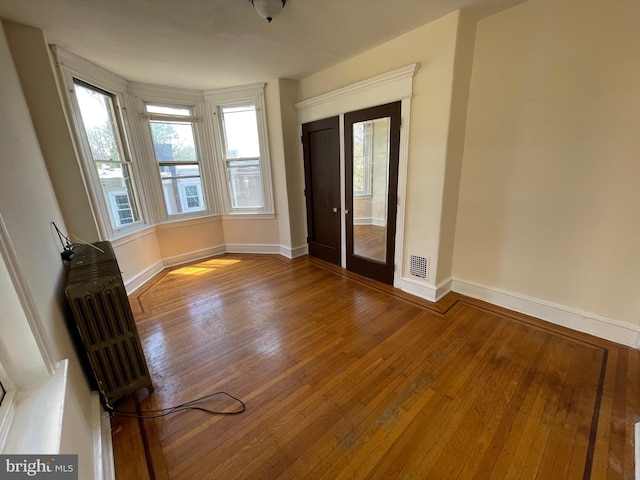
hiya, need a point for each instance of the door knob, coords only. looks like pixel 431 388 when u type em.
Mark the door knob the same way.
pixel 335 209
pixel 346 212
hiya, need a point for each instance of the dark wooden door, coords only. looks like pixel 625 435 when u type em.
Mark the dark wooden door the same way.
pixel 321 145
pixel 372 151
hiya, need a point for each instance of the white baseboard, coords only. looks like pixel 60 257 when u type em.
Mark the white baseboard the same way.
pixel 424 290
pixel 103 463
pixel 135 282
pixel 443 288
pixel 193 256
pixel 613 330
pixel 253 248
pixel 139 279
pixel 294 252
pixel 378 222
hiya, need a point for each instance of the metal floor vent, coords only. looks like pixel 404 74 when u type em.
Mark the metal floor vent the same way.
pixel 419 266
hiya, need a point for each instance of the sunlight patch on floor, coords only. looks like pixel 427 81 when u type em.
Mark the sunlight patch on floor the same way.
pixel 218 263
pixel 204 267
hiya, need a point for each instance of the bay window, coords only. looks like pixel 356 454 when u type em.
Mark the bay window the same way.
pixel 153 154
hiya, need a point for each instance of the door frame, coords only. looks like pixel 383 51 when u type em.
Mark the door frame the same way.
pixel 388 87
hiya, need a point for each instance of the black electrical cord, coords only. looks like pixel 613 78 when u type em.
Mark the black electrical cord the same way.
pixel 66 244
pixel 181 408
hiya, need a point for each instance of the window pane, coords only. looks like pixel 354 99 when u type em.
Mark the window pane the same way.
pixel 167 110
pixel 240 127
pixel 102 132
pixel 245 184
pixel 98 118
pixel 118 193
pixel 358 158
pixel 182 195
pixel 173 141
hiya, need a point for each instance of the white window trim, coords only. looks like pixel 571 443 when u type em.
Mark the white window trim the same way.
pixel 239 96
pixel 203 131
pixel 72 67
pixel 162 96
pixel 44 380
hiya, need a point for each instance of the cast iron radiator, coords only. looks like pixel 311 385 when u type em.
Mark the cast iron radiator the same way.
pixel 102 313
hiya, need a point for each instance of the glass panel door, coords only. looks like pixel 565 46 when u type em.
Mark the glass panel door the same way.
pixel 372 145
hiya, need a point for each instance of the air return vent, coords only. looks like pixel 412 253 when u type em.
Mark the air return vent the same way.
pixel 419 266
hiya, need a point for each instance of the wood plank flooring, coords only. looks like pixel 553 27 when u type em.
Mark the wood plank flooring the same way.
pixel 346 378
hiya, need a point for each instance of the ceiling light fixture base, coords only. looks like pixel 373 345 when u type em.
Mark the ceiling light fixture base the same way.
pixel 268 9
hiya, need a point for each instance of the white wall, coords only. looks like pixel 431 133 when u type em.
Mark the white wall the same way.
pixel 31 57
pixel 28 205
pixel 549 195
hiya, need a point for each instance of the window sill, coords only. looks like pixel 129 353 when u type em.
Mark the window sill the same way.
pixel 36 426
pixel 249 216
pixel 173 222
pixel 130 236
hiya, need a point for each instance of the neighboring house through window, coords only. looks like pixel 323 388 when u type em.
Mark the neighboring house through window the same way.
pixel 121 208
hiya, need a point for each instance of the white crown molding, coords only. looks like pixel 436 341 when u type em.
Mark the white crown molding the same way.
pixel 86 70
pixel 234 94
pixel 592 324
pixel 148 91
pixel 384 88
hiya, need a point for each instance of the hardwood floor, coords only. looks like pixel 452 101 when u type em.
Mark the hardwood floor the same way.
pixel 347 378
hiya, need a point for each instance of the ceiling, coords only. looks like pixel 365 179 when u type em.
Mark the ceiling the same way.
pixel 206 44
